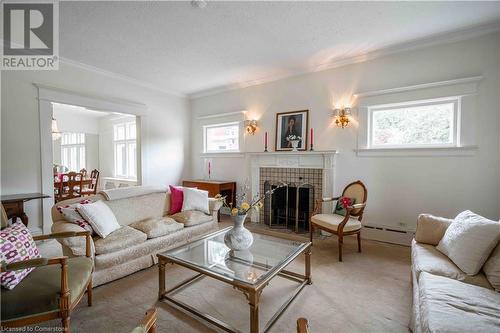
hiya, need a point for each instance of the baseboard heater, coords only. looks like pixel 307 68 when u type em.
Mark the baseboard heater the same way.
pixel 387 234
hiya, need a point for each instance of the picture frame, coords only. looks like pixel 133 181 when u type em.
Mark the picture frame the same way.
pixel 294 122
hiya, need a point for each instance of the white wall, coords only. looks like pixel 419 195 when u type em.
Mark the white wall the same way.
pixel 399 188
pixel 165 143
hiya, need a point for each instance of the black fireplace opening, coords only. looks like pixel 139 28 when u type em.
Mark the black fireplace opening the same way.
pixel 289 207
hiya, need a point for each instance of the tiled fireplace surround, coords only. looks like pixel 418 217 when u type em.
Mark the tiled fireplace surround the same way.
pixel 293 168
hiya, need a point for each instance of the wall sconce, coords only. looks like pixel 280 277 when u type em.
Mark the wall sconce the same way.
pixel 342 116
pixel 251 126
pixel 56 135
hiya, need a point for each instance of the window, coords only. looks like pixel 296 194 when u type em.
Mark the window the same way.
pixel 221 138
pixel 125 150
pixel 420 124
pixel 73 151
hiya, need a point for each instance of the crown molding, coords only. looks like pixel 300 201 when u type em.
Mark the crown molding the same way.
pixel 437 39
pixel 122 77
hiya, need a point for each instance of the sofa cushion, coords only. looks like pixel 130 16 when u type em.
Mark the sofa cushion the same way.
pixel 447 305
pixel 118 240
pixel 469 240
pixel 39 291
pixel 195 199
pixel 192 217
pixel 100 217
pixel 430 228
pixel 426 258
pixel 130 210
pixel 157 227
pixel 492 268
pixel 332 221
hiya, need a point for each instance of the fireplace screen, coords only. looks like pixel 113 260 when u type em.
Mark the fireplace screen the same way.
pixel 290 206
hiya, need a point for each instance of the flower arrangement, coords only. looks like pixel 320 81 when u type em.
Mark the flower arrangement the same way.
pixel 242 207
pixel 293 137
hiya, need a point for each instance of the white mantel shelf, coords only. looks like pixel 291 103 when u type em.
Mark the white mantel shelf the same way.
pixel 299 153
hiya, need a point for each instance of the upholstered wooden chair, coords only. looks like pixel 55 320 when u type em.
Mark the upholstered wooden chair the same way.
pixel 340 225
pixel 148 323
pixel 50 291
pixel 92 188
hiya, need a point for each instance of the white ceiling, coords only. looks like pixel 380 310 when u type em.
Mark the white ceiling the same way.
pixel 177 47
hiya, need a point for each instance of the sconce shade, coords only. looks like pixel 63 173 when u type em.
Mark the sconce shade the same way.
pixel 342 116
pixel 251 126
pixel 56 135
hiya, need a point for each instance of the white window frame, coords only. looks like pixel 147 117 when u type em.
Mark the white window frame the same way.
pixel 126 142
pixel 232 123
pixel 455 100
pixel 79 147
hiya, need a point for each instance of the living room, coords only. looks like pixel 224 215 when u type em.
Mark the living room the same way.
pixel 390 108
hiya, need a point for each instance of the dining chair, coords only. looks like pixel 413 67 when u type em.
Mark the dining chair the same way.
pixel 58 188
pixel 342 222
pixel 84 172
pixel 75 182
pixel 92 188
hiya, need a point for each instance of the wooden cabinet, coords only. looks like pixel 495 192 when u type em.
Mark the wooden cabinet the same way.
pixel 214 187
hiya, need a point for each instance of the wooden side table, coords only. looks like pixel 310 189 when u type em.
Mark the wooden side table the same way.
pixel 14 205
pixel 214 187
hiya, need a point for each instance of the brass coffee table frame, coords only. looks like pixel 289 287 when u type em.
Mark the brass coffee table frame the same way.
pixel 251 291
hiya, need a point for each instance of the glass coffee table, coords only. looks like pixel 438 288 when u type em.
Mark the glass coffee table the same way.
pixel 249 271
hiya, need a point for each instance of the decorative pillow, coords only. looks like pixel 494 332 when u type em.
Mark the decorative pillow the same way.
pixel 191 218
pixel 492 268
pixel 195 200
pixel 16 244
pixel 71 215
pixel 469 240
pixel 157 227
pixel 342 204
pixel 100 217
pixel 176 199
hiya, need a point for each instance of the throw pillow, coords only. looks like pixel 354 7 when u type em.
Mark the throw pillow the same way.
pixel 176 199
pixel 195 199
pixel 100 217
pixel 16 244
pixel 71 215
pixel 469 240
pixel 191 218
pixel 342 204
pixel 492 268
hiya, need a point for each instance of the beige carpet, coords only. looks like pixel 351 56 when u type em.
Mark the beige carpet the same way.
pixel 368 292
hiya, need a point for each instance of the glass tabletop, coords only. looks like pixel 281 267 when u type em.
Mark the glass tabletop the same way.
pixel 250 266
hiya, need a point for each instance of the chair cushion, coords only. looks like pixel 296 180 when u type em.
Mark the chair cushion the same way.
pixel 342 204
pixel 157 227
pixel 426 258
pixel 39 291
pixel 469 240
pixel 332 221
pixel 447 305
pixel 118 240
pixel 192 217
pixel 16 244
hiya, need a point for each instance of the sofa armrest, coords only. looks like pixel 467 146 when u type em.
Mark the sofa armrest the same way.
pixel 214 205
pixel 77 245
pixel 430 229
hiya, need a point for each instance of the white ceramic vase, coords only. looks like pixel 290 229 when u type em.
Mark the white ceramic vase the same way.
pixel 238 238
pixel 295 144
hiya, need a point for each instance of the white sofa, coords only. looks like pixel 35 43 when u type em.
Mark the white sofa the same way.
pixel 445 299
pixel 128 250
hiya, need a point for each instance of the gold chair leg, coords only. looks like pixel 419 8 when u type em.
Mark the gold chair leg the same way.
pixel 311 231
pixel 66 324
pixel 359 242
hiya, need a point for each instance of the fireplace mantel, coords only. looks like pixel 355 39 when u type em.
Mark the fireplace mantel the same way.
pixel 324 160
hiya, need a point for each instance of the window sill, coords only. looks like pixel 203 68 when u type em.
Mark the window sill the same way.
pixel 232 154
pixel 420 152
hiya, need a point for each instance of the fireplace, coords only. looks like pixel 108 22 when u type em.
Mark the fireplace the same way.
pixel 291 205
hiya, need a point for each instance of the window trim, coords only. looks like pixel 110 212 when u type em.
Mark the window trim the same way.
pixel 79 147
pixel 232 151
pixel 455 100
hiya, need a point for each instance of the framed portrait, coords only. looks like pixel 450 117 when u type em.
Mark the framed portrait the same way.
pixel 289 124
